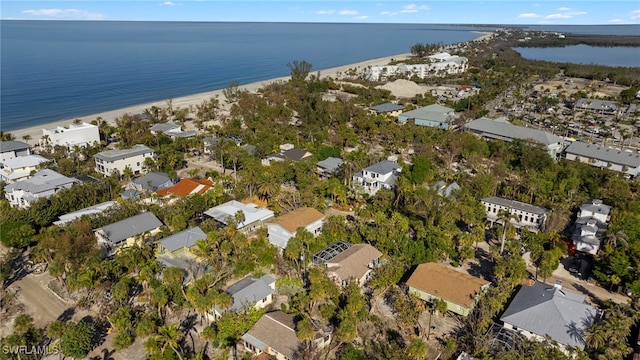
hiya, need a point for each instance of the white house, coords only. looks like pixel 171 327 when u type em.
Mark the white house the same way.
pixel 285 227
pixel 254 216
pixel 526 215
pixel 20 168
pixel 591 226
pixel 287 152
pixel 434 115
pixel 624 161
pixel 173 131
pixel 12 149
pixel 43 184
pixel 378 176
pixel 596 209
pixel 81 134
pixel 94 210
pixel 249 292
pixel 111 160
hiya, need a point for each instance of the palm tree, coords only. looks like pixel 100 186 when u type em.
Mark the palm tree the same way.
pixel 169 336
pixel 505 216
pixel 619 237
pixel 26 138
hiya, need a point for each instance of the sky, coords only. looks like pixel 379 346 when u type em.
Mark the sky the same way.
pixel 516 12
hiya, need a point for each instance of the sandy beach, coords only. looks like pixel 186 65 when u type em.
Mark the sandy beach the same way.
pixel 183 102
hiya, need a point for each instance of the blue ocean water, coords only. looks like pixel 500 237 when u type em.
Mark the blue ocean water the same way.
pixel 55 70
pixel 584 54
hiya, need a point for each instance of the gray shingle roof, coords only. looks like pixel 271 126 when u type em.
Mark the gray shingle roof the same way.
pixel 152 181
pixel 295 154
pixel 248 291
pixel 383 167
pixel 164 127
pixel 42 181
pixel 628 158
pixel 112 155
pixel 506 131
pixel 596 206
pixel 13 145
pixel 516 205
pixel 275 330
pixel 186 238
pixel 130 227
pixel 547 310
pixel 387 107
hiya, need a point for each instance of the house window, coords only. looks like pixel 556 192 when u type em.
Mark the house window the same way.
pixel 264 300
pixel 138 163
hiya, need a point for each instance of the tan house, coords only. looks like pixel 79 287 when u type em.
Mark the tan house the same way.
pixel 284 228
pixel 460 291
pixel 355 263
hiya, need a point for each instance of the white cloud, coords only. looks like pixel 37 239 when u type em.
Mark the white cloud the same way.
pixel 325 12
pixel 617 21
pixel 558 16
pixel 169 3
pixel 347 12
pixel 635 14
pixel 529 16
pixel 564 9
pixel 565 13
pixel 65 13
pixel 535 5
pixel 361 17
pixel 413 8
pixel 388 13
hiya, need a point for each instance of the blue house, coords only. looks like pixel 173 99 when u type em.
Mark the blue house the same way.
pixel 435 115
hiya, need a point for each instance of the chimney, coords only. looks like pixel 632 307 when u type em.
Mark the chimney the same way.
pixel 558 284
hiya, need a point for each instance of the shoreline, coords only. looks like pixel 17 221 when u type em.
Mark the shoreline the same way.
pixel 110 116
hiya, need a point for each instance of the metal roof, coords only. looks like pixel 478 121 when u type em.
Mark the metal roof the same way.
pixel 505 131
pixel 622 157
pixel 248 291
pixel 42 181
pixel 516 205
pixel 130 227
pixel 183 239
pixel 433 112
pixel 550 310
pixel 91 210
pixel 117 154
pixel 387 107
pixel 383 167
pixel 152 181
pixel 13 145
pixel 330 164
pixel 224 212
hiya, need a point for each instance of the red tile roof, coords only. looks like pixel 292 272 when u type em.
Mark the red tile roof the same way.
pixel 187 186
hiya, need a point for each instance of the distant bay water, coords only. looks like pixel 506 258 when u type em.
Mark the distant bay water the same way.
pixel 56 70
pixel 584 54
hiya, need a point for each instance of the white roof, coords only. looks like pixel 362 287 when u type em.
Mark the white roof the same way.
pixel 228 210
pixel 24 161
pixel 91 210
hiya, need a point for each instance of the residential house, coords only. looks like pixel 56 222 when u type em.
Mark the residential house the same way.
pixel 540 310
pixel 431 282
pixel 249 292
pixel 126 232
pixel 11 149
pixel 152 181
pixel 591 226
pixel 328 167
pixel 209 142
pixel 524 215
pixel 20 168
pixel 500 129
pixel 445 190
pixel 378 176
pixel 119 159
pixel 181 242
pixel 186 187
pixel 253 217
pixel 74 134
pixel 88 211
pixel 171 130
pixel 287 152
pixel 390 109
pixel 285 227
pixel 43 184
pixel 346 262
pixel 624 161
pixel 435 115
pixel 274 334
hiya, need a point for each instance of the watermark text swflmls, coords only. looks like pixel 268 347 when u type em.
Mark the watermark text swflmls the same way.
pixel 30 350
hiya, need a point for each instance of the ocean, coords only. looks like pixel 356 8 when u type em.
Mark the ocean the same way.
pixel 56 70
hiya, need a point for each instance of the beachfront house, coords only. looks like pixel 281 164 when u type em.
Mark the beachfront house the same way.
pixel 500 129
pixel 460 291
pixel 523 214
pixel 434 115
pixel 88 211
pixel 285 227
pixel 539 311
pixel 74 134
pixel 625 161
pixel 248 292
pixel 247 217
pixel 346 262
pixel 172 130
pixel 20 168
pixel 378 176
pixel 127 232
pixel 43 184
pixel 12 149
pixel 119 159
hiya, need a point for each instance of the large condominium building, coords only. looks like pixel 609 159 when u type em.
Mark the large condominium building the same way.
pixel 81 134
pixel 624 161
pixel 111 160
